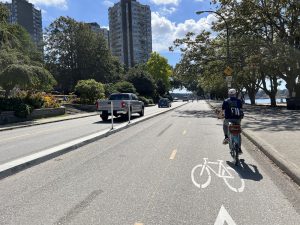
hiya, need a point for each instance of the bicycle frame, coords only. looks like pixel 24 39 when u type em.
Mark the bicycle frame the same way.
pixel 221 167
pixel 234 131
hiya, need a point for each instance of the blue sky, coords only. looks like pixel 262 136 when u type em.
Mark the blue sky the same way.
pixel 171 19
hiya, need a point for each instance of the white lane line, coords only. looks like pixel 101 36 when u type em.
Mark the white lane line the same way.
pixel 223 217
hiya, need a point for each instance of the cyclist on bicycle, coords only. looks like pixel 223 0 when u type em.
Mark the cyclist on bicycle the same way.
pixel 232 109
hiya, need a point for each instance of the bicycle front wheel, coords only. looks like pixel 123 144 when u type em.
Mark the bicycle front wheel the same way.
pixel 201 176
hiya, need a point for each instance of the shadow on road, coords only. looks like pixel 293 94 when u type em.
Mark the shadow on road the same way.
pixel 196 114
pixel 117 120
pixel 246 171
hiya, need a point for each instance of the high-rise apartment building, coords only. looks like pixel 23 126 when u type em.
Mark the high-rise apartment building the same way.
pixel 24 14
pixel 130 32
pixel 105 32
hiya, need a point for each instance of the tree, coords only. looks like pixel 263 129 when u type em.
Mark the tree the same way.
pixel 142 81
pixel 159 68
pixel 89 91
pixel 26 77
pixel 16 76
pixel 74 52
pixel 124 87
pixel 275 26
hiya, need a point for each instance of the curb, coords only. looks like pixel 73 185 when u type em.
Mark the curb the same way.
pixel 42 123
pixel 270 152
pixel 18 165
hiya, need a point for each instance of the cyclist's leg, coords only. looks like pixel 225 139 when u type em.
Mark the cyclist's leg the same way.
pixel 225 130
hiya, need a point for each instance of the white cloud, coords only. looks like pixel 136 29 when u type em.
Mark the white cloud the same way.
pixel 107 3
pixel 56 3
pixel 166 2
pixel 165 11
pixel 164 31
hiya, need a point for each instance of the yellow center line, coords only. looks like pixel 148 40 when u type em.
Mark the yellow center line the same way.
pixel 172 157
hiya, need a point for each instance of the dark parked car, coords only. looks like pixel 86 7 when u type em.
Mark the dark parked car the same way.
pixel 185 99
pixel 164 102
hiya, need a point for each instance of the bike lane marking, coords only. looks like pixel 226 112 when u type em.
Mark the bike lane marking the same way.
pixel 223 217
pixel 225 172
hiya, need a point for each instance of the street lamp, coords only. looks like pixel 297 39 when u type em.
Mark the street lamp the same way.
pixel 227 30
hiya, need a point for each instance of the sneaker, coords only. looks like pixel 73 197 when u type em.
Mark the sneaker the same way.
pixel 240 151
pixel 225 141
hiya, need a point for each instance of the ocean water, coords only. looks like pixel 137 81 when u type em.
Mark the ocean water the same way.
pixel 266 101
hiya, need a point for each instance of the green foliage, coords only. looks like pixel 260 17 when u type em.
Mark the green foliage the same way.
pixel 17 105
pixel 26 77
pixel 124 87
pixel 44 79
pixel 146 101
pixel 264 46
pixel 89 91
pixel 159 68
pixel 79 54
pixel 36 101
pixel 16 76
pixel 142 81
pixel 109 89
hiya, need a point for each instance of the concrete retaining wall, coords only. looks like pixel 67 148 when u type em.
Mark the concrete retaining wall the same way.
pixel 44 113
pixel 7 117
pixel 87 108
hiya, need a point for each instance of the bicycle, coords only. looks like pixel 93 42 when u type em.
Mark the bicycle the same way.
pixel 234 136
pixel 223 172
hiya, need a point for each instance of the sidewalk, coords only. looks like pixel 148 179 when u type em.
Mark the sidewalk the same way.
pixel 46 121
pixel 276 131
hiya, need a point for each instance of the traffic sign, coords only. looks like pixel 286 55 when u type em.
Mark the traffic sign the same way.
pixel 229 78
pixel 228 71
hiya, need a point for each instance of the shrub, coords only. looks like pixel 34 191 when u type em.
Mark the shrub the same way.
pixel 35 100
pixel 50 102
pixel 17 105
pixel 23 110
pixel 89 91
pixel 124 87
pixel 147 101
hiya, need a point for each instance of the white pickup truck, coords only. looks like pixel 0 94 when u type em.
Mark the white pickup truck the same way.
pixel 122 102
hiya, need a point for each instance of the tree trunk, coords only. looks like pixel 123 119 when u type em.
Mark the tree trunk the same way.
pixel 252 95
pixel 273 100
pixel 252 99
pixel 273 88
pixel 7 92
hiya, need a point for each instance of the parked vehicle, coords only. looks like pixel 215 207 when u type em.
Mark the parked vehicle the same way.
pixel 164 102
pixel 122 102
pixel 185 98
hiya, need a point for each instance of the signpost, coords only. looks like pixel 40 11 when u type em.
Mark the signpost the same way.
pixel 228 72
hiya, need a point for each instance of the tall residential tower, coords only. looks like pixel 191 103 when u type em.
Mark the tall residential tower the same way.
pixel 130 32
pixel 23 13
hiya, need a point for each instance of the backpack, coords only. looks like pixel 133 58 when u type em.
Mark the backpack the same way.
pixel 235 111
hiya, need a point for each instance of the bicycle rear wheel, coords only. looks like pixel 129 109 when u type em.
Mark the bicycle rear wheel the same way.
pixel 236 154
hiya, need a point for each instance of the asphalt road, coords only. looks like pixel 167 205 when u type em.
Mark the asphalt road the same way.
pixel 22 142
pixel 142 176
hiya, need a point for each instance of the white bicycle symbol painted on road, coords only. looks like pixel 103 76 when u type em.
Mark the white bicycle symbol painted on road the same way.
pixel 223 172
